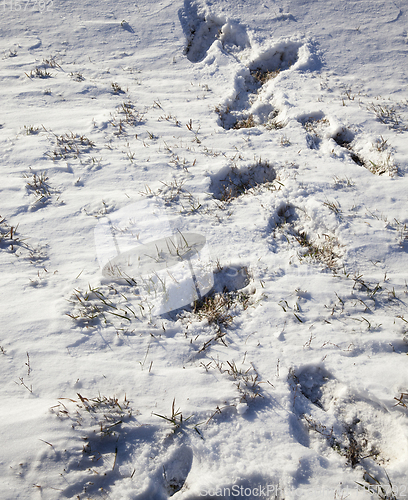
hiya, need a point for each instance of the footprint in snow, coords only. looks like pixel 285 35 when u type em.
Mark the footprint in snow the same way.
pixel 363 426
pixel 231 182
pixel 251 104
pixel 176 469
pixel 315 125
pixel 246 109
pixel 316 384
pixel 317 128
pixel 231 278
pixel 200 28
pixel 171 475
pixel 340 141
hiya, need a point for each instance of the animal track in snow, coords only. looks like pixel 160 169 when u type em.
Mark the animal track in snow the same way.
pixel 231 182
pixel 171 475
pixel 339 140
pixel 202 29
pixel 250 106
pixel 247 107
pixel 344 139
pixel 176 469
pixel 361 427
pixel 231 279
pixel 316 243
pixel 375 156
pixel 313 381
pixel 317 128
pixel 315 125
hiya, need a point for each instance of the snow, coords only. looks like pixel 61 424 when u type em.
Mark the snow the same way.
pixel 152 151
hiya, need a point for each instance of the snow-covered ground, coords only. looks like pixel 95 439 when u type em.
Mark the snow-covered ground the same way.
pixel 269 143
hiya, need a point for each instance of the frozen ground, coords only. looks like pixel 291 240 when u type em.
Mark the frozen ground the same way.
pixel 278 132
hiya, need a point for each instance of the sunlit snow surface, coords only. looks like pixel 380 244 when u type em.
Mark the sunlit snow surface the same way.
pixel 259 152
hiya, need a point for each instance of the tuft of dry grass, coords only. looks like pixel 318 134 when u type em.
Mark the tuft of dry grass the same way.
pixel 178 422
pixel 37 184
pixel 126 115
pixel 51 62
pixel 32 130
pixel 388 114
pixel 384 166
pixel 70 145
pixel 103 304
pixel 248 122
pixel 8 236
pixel 323 249
pixel 315 125
pixel 102 412
pixel 215 309
pixel 77 76
pixel 239 181
pixel 402 400
pixel 263 76
pixel 245 379
pixel 117 89
pixel 38 73
pixel 219 309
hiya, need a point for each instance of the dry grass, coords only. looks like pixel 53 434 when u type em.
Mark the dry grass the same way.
pixel 323 249
pixel 77 76
pixel 98 426
pixel 385 166
pixel 245 379
pixel 402 400
pixel 315 125
pixel 126 116
pixel 70 145
pixel 388 114
pixel 103 413
pixel 239 181
pixel 103 305
pixel 8 236
pixel 38 73
pixel 37 185
pixel 117 89
pixel 263 76
pixel 245 123
pixel 218 310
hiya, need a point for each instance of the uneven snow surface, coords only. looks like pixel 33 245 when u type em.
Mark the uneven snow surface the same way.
pixel 204 249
